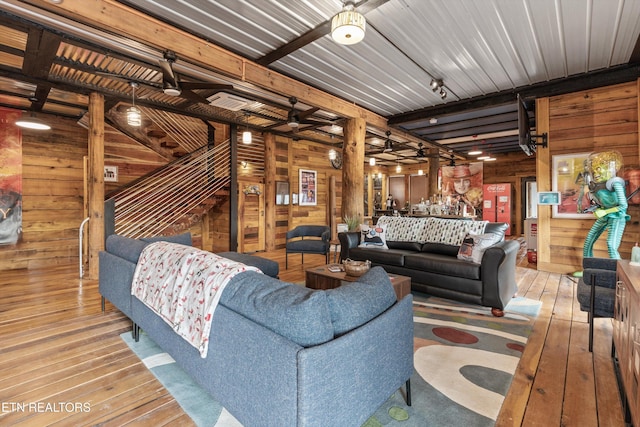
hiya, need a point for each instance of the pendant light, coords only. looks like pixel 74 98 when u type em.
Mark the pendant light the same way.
pixel 398 167
pixel 33 123
pixel 134 117
pixel 246 135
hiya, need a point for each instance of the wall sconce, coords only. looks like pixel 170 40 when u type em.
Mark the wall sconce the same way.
pixel 372 161
pixel 332 154
pixel 244 164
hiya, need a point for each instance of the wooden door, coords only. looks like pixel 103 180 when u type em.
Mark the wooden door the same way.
pixel 251 222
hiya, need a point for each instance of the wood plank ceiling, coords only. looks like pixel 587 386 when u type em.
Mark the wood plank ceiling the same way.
pixel 485 52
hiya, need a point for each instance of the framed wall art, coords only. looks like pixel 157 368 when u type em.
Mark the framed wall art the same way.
pixel 282 193
pixel 549 198
pixel 568 179
pixel 308 187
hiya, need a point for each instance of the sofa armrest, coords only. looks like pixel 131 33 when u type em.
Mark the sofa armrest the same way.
pixel 498 273
pixel 328 391
pixel 348 240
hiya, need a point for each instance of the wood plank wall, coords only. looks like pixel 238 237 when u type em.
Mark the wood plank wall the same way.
pixel 594 120
pixel 602 118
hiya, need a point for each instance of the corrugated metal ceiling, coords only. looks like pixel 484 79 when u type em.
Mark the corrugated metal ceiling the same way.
pixel 484 51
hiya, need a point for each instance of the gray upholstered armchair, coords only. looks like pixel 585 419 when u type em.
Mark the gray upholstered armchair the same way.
pixel 597 289
pixel 308 239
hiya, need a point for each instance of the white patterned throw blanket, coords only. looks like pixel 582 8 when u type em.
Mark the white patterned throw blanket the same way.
pixel 183 284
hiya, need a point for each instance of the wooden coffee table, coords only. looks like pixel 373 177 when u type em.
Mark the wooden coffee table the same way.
pixel 322 278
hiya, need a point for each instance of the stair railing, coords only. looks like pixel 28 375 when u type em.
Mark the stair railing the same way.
pixel 155 203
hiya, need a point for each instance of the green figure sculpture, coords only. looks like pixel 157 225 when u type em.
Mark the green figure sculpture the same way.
pixel 608 201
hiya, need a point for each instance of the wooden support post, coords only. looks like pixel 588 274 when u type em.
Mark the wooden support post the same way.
pixel 270 191
pixel 332 207
pixel 353 168
pixel 434 166
pixel 96 181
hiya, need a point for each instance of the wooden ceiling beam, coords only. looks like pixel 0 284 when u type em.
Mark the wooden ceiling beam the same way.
pixel 121 19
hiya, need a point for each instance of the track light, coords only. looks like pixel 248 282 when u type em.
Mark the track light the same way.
pixel 438 84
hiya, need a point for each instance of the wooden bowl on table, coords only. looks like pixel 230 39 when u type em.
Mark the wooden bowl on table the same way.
pixel 356 268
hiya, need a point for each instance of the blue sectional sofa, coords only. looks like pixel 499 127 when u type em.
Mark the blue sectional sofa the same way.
pixel 281 354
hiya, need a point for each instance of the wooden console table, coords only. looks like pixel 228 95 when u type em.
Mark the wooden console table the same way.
pixel 626 334
pixel 322 278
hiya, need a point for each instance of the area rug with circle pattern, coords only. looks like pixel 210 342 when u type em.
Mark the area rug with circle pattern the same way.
pixel 464 361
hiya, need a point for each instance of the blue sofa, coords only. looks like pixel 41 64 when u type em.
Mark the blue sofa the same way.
pixel 281 354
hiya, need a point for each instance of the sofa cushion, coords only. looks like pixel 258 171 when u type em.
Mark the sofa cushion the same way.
pixel 387 257
pixel 405 229
pixel 373 237
pixel 474 245
pixel 267 266
pixel 295 312
pixel 408 246
pixel 354 304
pixel 452 231
pixel 125 247
pixel 440 248
pixel 497 228
pixel 182 239
pixel 443 264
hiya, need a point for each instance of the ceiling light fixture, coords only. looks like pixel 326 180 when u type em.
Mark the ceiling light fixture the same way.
pixel 484 157
pixel 438 84
pixel 246 135
pixel 32 123
pixel 134 116
pixel 475 152
pixel 348 26
pixel 388 144
pixel 372 161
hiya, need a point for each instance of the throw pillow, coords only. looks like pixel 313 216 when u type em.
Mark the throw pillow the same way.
pixel 373 237
pixel 474 245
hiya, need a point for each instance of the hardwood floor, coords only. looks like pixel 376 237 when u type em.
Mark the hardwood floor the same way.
pixel 63 363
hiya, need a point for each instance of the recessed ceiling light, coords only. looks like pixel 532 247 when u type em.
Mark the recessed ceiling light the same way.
pixel 433 120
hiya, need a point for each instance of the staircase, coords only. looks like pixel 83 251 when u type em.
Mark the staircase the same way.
pixel 171 199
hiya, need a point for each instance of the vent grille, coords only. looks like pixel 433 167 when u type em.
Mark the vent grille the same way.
pixel 228 101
